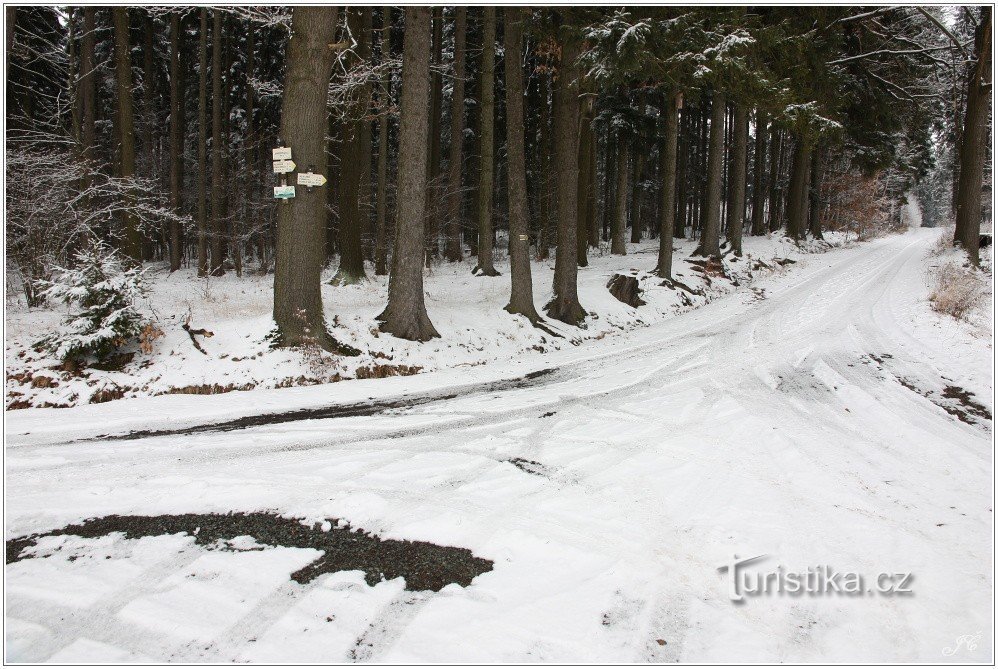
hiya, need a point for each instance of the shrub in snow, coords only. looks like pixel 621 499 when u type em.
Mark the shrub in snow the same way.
pixel 104 293
pixel 958 290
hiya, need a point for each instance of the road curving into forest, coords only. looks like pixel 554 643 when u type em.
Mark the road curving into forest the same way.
pixel 823 418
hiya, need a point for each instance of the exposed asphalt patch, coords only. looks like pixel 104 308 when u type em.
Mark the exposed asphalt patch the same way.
pixel 335 411
pixel 423 565
pixel 529 466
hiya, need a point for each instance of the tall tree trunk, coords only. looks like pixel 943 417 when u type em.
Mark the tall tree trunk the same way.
pixel 617 245
pixel 797 195
pixel 521 299
pixel 217 185
pixel 639 166
pixel 592 229
pixel 973 146
pixel 739 167
pixel 814 195
pixel 432 224
pixel 544 181
pixel 88 90
pixel 667 210
pixel 202 204
pixel 759 174
pixel 176 141
pixel 249 143
pixel 487 170
pixel 710 238
pixel 301 220
pixel 132 243
pixel 151 122
pixel 355 147
pixel 564 306
pixel 405 315
pixel 455 197
pixel 585 172
pixel 384 99
pixel 775 158
pixel 682 157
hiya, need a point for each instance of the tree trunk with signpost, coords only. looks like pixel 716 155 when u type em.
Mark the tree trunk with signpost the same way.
pixel 301 220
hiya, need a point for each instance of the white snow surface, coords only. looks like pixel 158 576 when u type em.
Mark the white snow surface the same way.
pixel 467 310
pixel 803 419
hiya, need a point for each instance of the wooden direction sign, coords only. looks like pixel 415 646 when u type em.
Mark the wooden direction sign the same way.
pixel 284 166
pixel 311 179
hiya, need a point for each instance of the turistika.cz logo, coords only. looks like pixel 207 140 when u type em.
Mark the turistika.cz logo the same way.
pixel 744 581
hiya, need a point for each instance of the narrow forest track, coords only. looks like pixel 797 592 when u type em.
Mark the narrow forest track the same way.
pixel 813 419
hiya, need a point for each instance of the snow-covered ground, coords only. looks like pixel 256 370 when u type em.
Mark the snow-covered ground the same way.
pixel 467 311
pixel 812 419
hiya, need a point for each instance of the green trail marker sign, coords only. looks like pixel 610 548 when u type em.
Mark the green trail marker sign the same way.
pixel 284 192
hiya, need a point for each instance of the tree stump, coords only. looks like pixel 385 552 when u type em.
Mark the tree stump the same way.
pixel 626 289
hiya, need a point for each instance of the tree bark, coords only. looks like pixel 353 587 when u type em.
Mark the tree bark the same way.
pixel 249 142
pixel 710 238
pixel 176 141
pixel 759 174
pixel 775 158
pixel 617 245
pixel 487 169
pixel 564 306
pixel 405 315
pixel 301 220
pixel 739 167
pixel 667 210
pixel 88 90
pixel 202 204
pixel 544 180
pixel 217 244
pixel 682 158
pixel 432 224
pixel 584 185
pixel 384 99
pixel 973 146
pixel 639 166
pixel 453 249
pixel 797 195
pixel 132 243
pixel 521 299
pixel 355 149
pixel 814 195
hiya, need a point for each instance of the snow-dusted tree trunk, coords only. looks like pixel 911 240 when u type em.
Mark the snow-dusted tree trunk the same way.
pixel 739 167
pixel 405 315
pixel 759 174
pixel 521 299
pixel 564 306
pixel 301 220
pixel 453 249
pixel 617 245
pixel 132 242
pixel 710 238
pixel 667 209
pixel 973 148
pixel 487 170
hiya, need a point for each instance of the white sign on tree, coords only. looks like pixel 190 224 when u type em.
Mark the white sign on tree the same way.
pixel 311 179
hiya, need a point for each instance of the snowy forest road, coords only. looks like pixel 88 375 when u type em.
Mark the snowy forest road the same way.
pixel 824 418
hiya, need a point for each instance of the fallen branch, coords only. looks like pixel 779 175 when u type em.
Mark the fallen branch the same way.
pixel 199 331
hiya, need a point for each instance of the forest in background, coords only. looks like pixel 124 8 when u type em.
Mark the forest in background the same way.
pixel 445 132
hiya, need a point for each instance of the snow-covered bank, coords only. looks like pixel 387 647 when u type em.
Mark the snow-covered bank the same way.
pixel 467 311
